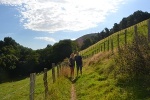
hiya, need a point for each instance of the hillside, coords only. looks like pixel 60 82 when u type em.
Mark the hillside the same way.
pixel 115 76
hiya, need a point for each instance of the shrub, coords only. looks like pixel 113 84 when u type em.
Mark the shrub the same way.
pixel 133 60
pixel 132 70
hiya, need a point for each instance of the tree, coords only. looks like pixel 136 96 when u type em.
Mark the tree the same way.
pixel 123 23
pixel 1 44
pixel 107 32
pixel 86 43
pixel 62 50
pixel 9 41
pixel 116 27
pixel 9 63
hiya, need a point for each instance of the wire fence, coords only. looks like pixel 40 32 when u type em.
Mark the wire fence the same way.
pixel 56 72
pixel 8 96
pixel 118 39
pixel 37 89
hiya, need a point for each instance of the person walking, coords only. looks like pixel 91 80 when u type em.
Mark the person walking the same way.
pixel 79 63
pixel 72 64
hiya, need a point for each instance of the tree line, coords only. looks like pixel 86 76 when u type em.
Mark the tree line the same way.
pixel 17 61
pixel 132 19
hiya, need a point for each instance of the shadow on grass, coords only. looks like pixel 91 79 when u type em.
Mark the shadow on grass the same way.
pixel 13 79
pixel 73 80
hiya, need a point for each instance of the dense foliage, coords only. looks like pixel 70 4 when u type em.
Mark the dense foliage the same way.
pixel 17 61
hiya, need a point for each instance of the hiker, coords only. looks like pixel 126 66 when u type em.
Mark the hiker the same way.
pixel 79 65
pixel 72 64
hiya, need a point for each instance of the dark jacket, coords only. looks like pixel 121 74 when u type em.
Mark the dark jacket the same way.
pixel 78 60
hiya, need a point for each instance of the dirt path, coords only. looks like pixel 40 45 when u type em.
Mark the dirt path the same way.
pixel 73 92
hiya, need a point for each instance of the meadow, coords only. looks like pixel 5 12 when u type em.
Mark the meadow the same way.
pixel 20 90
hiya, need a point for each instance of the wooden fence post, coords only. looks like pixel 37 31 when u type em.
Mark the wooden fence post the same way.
pixel 101 48
pixel 135 32
pixel 53 72
pixel 57 70
pixel 32 85
pixel 125 37
pixel 112 45
pixel 104 45
pixel 60 69
pixel 118 41
pixel 45 82
pixel 149 30
pixel 108 44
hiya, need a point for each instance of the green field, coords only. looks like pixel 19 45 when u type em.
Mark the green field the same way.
pixel 20 90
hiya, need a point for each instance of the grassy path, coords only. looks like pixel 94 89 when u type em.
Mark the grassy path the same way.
pixel 73 92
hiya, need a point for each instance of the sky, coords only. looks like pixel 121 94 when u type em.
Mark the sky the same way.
pixel 37 23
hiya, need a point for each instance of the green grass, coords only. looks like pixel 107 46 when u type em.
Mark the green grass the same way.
pixel 100 82
pixel 95 83
pixel 61 90
pixel 19 90
pixel 15 90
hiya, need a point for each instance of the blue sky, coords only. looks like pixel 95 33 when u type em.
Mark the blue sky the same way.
pixel 37 23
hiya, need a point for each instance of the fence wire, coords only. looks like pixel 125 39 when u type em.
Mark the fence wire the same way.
pixel 12 93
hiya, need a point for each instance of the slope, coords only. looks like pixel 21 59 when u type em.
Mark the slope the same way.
pixel 120 72
pixel 118 76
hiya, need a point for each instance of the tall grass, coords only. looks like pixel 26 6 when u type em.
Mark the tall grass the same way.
pixel 60 90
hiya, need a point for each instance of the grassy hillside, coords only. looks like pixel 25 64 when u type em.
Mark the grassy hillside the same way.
pixel 142 28
pixel 106 77
pixel 117 75
pixel 97 82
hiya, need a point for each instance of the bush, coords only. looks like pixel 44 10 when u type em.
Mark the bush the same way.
pixel 133 67
pixel 134 59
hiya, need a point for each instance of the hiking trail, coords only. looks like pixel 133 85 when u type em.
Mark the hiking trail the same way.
pixel 73 92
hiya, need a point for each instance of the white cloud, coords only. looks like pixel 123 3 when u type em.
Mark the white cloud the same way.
pixel 66 15
pixel 46 39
